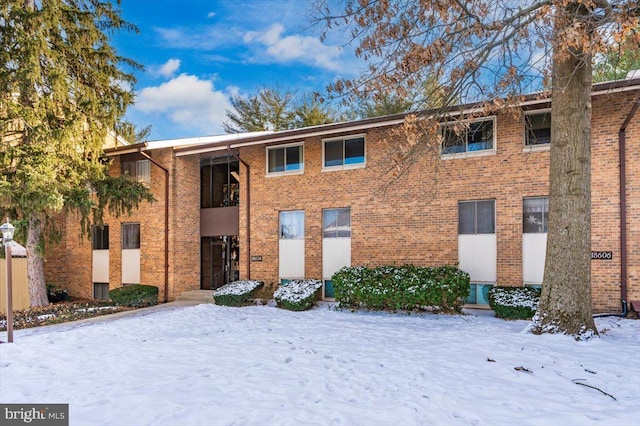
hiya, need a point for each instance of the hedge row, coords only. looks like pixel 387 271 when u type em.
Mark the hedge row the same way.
pixel 401 287
pixel 514 302
pixel 137 295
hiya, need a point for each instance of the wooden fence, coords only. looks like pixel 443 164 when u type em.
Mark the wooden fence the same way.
pixel 20 285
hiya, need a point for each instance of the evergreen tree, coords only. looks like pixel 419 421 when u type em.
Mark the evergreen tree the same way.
pixel 61 88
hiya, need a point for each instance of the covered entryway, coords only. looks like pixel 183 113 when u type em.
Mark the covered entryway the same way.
pixel 219 261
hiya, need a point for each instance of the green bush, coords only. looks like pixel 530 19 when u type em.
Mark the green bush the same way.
pixel 236 293
pixel 297 295
pixel 401 287
pixel 137 295
pixel 514 302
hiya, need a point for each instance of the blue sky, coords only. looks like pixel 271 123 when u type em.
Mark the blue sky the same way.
pixel 197 53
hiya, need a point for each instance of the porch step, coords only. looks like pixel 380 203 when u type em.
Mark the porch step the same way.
pixel 196 296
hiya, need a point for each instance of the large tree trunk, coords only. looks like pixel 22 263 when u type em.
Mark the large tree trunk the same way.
pixel 35 264
pixel 565 304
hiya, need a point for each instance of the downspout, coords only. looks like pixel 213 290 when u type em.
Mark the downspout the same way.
pixel 166 224
pixel 248 224
pixel 622 149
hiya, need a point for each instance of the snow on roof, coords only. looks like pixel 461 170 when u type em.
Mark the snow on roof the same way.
pixel 171 143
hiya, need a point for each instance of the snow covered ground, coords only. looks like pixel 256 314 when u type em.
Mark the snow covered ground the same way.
pixel 214 365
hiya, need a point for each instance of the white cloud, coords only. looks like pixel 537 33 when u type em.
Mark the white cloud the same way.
pixel 188 101
pixel 211 14
pixel 306 49
pixel 167 70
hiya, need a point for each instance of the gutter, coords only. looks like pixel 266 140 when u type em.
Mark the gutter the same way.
pixel 622 141
pixel 622 149
pixel 248 224
pixel 166 224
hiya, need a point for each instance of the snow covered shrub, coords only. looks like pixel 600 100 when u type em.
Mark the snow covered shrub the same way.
pixel 401 287
pixel 136 295
pixel 514 302
pixel 236 293
pixel 297 295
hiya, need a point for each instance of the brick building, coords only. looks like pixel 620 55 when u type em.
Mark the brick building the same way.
pixel 303 203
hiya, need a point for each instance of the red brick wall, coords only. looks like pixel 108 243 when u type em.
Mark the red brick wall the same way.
pixel 414 220
pixel 411 220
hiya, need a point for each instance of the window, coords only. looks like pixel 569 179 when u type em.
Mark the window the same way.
pixel 476 217
pixel 537 128
pixel 284 159
pixel 468 137
pixel 479 294
pixel 292 225
pixel 336 223
pixel 130 236
pixel 101 291
pixel 344 153
pixel 139 170
pixel 100 237
pixel 535 215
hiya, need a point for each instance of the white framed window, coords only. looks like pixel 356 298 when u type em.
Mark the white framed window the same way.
pixel 477 217
pixel 343 153
pixel 101 291
pixel 468 138
pixel 535 215
pixel 285 159
pixel 139 170
pixel 537 128
pixel 130 236
pixel 336 223
pixel 100 237
pixel 292 225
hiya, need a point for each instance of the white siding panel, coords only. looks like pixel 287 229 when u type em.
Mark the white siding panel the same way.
pixel 336 253
pixel 131 266
pixel 534 250
pixel 477 255
pixel 291 258
pixel 100 267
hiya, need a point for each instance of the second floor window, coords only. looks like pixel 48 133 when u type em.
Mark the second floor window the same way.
pixel 285 159
pixel 468 137
pixel 537 128
pixel 343 153
pixel 139 170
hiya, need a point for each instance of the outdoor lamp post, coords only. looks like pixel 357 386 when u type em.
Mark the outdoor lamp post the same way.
pixel 7 236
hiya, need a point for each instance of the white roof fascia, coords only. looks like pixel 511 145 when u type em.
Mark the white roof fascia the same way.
pixel 296 137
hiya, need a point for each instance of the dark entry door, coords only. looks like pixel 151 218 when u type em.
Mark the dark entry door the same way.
pixel 214 273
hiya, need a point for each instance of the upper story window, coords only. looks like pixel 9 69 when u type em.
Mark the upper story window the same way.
pixel 537 128
pixel 130 236
pixel 285 159
pixel 535 215
pixel 468 137
pixel 343 153
pixel 100 237
pixel 139 170
pixel 477 217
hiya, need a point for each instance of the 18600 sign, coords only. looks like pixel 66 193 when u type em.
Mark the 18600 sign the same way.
pixel 602 255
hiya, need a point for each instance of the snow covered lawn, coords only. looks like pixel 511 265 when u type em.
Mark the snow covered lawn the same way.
pixel 259 365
